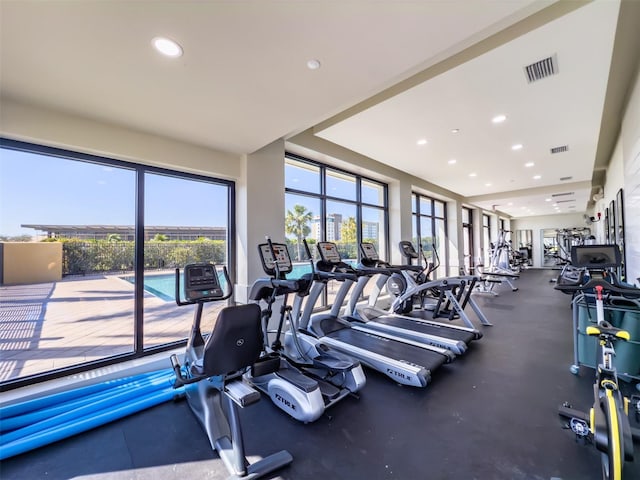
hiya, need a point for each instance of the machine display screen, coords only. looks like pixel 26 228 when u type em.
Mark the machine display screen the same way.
pixel 369 251
pixel 329 252
pixel 595 257
pixel 281 256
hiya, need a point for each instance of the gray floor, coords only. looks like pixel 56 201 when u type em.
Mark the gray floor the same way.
pixel 492 414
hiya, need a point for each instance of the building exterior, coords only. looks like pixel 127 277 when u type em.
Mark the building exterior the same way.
pixel 127 232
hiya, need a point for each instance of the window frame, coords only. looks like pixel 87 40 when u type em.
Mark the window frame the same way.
pixel 139 350
pixel 324 198
pixel 417 199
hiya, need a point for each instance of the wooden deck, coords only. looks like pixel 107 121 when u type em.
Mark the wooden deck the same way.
pixel 60 324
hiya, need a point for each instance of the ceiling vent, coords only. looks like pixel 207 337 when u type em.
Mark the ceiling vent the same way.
pixel 542 69
pixel 564 179
pixel 561 149
pixel 566 201
pixel 561 194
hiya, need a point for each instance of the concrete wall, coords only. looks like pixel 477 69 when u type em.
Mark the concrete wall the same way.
pixel 28 263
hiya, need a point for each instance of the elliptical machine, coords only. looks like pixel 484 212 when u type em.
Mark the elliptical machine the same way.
pixel 308 380
pixel 212 370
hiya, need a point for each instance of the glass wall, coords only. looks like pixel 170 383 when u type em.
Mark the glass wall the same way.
pixel 467 240
pixel 327 204
pixel 170 201
pixel 486 239
pixel 430 231
pixel 116 232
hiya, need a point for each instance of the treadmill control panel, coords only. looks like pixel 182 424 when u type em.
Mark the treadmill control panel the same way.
pixel 407 249
pixel 329 252
pixel 369 252
pixel 201 282
pixel 282 258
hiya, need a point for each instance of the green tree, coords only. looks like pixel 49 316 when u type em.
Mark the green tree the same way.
pixel 160 237
pixel 348 230
pixel 296 223
pixel 114 237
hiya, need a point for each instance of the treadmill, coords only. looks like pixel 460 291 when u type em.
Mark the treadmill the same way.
pixel 403 361
pixel 453 337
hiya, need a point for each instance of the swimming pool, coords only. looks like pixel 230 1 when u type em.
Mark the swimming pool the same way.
pixel 163 285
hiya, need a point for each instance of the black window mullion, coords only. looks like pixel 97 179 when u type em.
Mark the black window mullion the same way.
pixel 138 327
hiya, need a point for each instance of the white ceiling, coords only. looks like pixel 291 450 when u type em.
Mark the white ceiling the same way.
pixel 243 82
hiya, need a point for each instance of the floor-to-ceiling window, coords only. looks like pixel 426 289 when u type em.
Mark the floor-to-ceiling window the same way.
pixel 122 230
pixel 430 230
pixel 486 238
pixel 323 203
pixel 467 239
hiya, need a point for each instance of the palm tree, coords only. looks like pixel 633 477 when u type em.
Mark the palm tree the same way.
pixel 297 223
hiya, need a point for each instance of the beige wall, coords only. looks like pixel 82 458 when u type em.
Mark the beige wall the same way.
pixel 28 263
pixel 539 223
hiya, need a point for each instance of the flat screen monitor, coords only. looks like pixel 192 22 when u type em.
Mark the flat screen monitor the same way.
pixel 595 257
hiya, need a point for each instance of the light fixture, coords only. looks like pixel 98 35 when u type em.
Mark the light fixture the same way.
pixel 529 164
pixel 510 204
pixel 499 118
pixel 517 146
pixel 455 130
pixel 167 47
pixel 547 199
pixel 313 64
pixel 452 161
pixel 487 184
pixel 473 174
pixel 422 141
pixel 537 177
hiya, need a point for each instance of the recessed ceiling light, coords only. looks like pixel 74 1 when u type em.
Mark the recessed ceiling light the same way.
pixel 554 205
pixel 422 141
pixel 547 199
pixel 537 177
pixel 167 47
pixel 529 164
pixel 452 161
pixel 313 64
pixel 455 130
pixel 517 146
pixel 499 118
pixel 487 184
pixel 473 174
pixel 510 203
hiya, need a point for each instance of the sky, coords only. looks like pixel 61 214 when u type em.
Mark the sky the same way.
pixel 39 189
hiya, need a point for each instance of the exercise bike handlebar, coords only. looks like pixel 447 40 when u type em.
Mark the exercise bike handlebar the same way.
pixel 226 295
pixel 629 292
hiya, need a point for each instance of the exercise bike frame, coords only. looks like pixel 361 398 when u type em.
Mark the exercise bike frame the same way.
pixel 607 422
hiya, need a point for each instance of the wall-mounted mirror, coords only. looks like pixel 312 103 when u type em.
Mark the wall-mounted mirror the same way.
pixel 557 243
pixel 549 247
pixel 523 246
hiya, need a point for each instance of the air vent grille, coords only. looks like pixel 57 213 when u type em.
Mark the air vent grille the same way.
pixel 564 179
pixel 554 195
pixel 566 201
pixel 561 149
pixel 542 69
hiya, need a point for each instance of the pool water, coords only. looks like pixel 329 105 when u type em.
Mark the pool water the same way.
pixel 164 285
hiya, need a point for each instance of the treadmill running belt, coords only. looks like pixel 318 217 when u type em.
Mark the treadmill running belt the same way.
pixel 390 348
pixel 416 326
